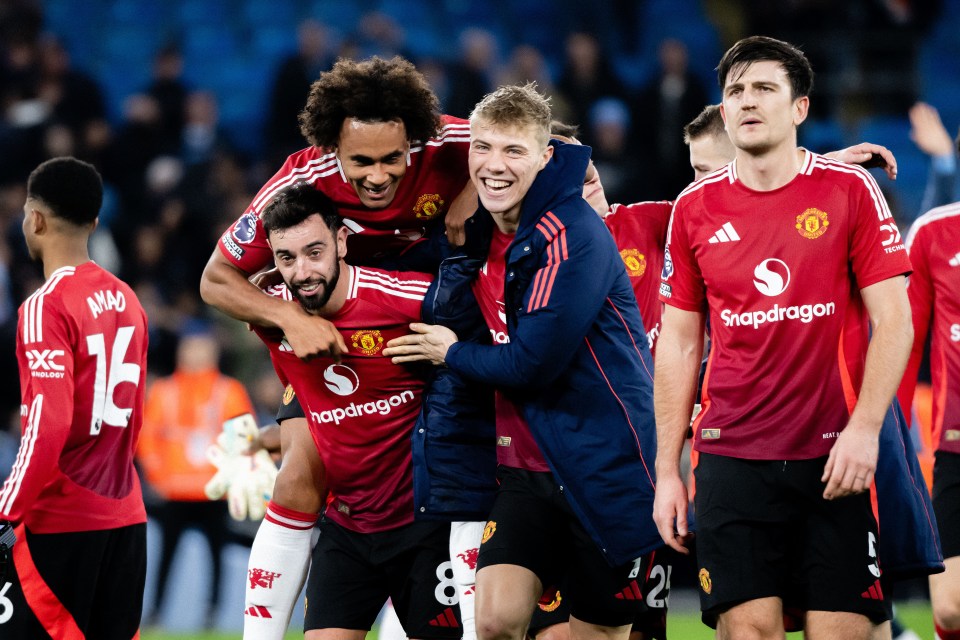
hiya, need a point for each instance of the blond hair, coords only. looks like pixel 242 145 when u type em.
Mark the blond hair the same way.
pixel 519 106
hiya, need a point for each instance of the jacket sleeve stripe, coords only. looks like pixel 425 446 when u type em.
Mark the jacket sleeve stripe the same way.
pixel 632 339
pixel 556 236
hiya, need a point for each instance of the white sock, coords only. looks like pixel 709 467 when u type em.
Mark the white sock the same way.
pixel 279 559
pixel 390 627
pixel 464 547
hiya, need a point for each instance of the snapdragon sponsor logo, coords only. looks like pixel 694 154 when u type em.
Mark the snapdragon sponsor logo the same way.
pixel 382 406
pixel 805 313
pixel 955 332
pixel 344 381
pixel 771 278
pixel 341 379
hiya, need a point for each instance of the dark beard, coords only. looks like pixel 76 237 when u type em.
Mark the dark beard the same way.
pixel 316 303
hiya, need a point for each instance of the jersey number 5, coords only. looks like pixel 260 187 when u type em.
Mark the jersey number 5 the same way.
pixel 110 374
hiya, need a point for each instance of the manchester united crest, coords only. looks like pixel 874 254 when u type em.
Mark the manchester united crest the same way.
pixel 635 262
pixel 705 583
pixel 288 395
pixel 812 223
pixel 367 341
pixel 488 531
pixel 428 205
pixel 550 600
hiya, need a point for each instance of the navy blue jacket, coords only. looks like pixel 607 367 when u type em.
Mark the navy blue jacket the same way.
pixel 909 543
pixel 577 362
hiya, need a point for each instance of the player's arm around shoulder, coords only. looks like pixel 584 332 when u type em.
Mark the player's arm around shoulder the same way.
pixel 226 287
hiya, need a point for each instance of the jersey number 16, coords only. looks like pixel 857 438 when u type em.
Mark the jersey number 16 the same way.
pixel 111 373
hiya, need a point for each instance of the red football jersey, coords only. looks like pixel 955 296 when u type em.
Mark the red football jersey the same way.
pixel 82 351
pixel 640 231
pixel 780 273
pixel 436 174
pixel 515 444
pixel 934 289
pixel 362 411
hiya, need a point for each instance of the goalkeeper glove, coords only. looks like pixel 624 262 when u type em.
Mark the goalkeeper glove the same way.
pixel 246 479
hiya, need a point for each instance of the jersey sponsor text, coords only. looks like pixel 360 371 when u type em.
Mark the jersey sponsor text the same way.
pixel 354 409
pixel 805 313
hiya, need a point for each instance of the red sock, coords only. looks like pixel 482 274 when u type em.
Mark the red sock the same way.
pixel 944 634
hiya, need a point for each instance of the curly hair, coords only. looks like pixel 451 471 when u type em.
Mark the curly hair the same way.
pixel 374 90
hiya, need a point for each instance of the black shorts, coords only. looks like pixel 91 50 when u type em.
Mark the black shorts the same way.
pixel 289 406
pixel 352 575
pixel 91 581
pixel 531 525
pixel 946 501
pixel 651 621
pixel 765 530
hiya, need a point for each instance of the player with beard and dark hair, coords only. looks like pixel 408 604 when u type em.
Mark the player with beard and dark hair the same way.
pixel 360 411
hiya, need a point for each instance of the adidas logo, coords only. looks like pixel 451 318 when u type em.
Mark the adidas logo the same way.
pixel 873 593
pixel 445 619
pixel 632 592
pixel 726 233
pixel 258 611
pixel 955 261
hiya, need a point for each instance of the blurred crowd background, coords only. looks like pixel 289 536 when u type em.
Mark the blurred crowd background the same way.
pixel 188 106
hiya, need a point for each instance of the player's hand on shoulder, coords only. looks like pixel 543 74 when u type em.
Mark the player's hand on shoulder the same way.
pixel 852 462
pixel 869 156
pixel 311 336
pixel 266 279
pixel 429 342
pixel 461 209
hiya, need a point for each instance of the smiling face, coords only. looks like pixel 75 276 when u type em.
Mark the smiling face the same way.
pixel 308 257
pixel 373 157
pixel 759 109
pixel 504 161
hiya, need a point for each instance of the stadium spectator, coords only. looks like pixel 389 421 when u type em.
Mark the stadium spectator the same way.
pixel 587 77
pixel 665 104
pixel 170 91
pixel 291 86
pixel 471 75
pixel 183 415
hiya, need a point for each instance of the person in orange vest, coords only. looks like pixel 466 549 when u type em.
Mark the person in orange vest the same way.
pixel 183 415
